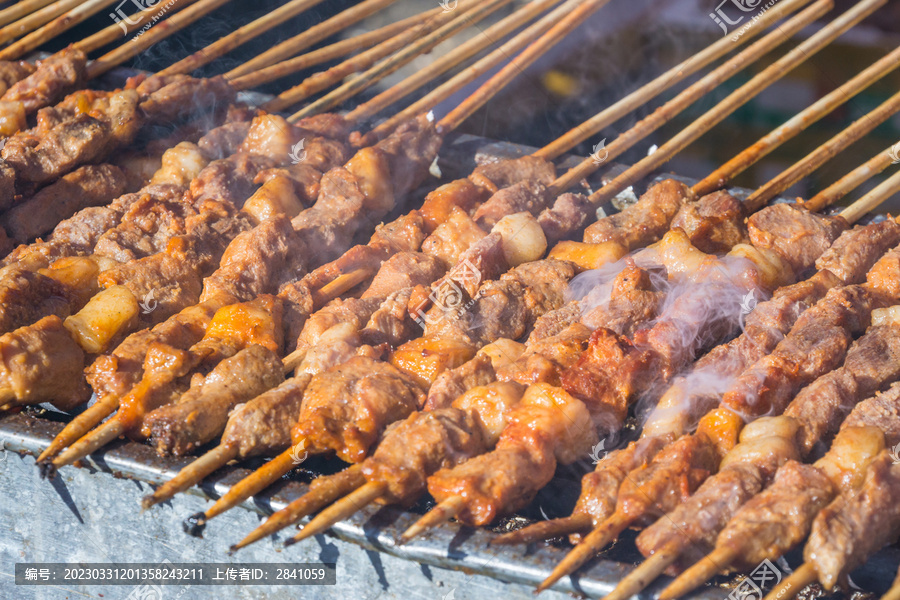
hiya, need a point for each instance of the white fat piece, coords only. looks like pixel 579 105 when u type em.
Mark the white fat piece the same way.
pixel 886 316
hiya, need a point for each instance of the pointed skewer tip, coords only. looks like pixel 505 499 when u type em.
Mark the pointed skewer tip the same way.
pixel 350 504
pixel 716 561
pixel 595 541
pixel 646 572
pixel 544 530
pixel 443 512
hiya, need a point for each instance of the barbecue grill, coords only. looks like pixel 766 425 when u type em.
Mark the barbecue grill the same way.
pixel 450 560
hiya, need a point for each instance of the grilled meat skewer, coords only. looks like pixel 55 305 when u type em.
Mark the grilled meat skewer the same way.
pixel 328 338
pixel 114 374
pixel 340 210
pixel 328 403
pixel 201 243
pixel 804 489
pixel 818 341
pixel 871 363
pixel 811 241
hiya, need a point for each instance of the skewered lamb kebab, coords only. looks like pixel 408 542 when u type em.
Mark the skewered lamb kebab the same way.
pixel 834 389
pixel 549 229
pixel 871 363
pixel 847 261
pixel 861 519
pixel 362 496
pixel 377 251
pixel 408 151
pixel 95 326
pixel 517 496
pixel 807 489
pixel 319 425
pixel 533 197
pixel 101 409
pixel 648 491
pixel 128 237
pixel 382 314
pixel 648 449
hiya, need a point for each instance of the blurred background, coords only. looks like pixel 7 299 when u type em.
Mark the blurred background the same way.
pixel 624 45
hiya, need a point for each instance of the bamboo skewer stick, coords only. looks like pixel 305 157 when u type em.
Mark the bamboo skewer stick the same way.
pixel 716 561
pixel 200 468
pixel 443 512
pixel 544 530
pixel 330 52
pixel 20 9
pixel 460 20
pixel 739 97
pixel 714 115
pixel 314 34
pixel 36 19
pixel 829 149
pixel 851 180
pixel 340 510
pixel 80 425
pixel 800 122
pixel 598 538
pixel 218 456
pixel 691 94
pixel 239 36
pixel 340 483
pixel 894 592
pixel 646 572
pixel 791 585
pixel 579 12
pixel 98 438
pixel 673 76
pixel 53 28
pixel 879 194
pixel 134 22
pixel 471 73
pixel 163 29
pixel 456 56
pixel 364 60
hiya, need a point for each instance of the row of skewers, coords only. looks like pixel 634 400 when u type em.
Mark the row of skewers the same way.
pixel 272 335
